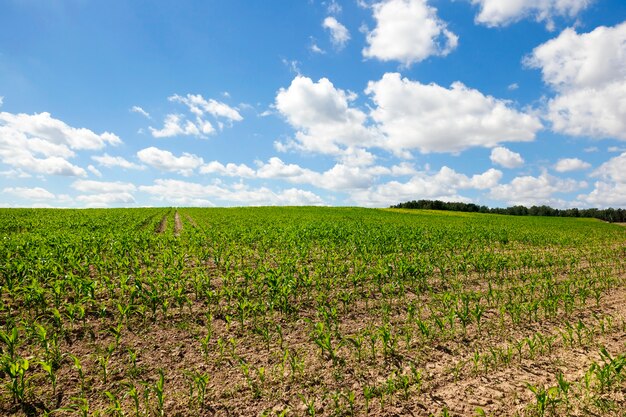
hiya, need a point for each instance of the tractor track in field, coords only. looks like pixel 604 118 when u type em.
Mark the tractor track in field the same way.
pixel 162 227
pixel 178 224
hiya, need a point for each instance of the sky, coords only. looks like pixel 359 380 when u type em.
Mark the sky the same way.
pixel 312 102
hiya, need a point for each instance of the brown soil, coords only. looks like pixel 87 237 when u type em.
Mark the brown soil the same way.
pixel 178 224
pixel 173 344
pixel 162 225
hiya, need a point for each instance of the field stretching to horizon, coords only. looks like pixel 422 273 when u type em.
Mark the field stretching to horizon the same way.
pixel 309 312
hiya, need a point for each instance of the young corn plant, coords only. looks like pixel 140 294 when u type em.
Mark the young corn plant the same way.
pixel 160 394
pixel 18 382
pixel 51 373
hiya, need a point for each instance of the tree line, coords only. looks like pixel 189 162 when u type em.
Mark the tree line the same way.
pixel 610 214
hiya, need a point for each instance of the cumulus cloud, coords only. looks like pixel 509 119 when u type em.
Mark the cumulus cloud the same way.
pixel 103 187
pixel 501 13
pixel 180 125
pixel 339 34
pixel 109 161
pixel 588 72
pixel 189 193
pixel 432 118
pixel 610 189
pixel 529 190
pixel 40 144
pixel 406 115
pixel 106 199
pixel 613 170
pixel 167 161
pixel 199 106
pixel 586 60
pixel 443 185
pixel 54 131
pixel 408 31
pixel 323 117
pixel 592 112
pixel 571 164
pixel 176 125
pixel 229 170
pixel 35 193
pixel 506 158
pixel 341 177
pixel 605 195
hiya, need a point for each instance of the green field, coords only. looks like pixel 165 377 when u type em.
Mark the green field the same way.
pixel 309 311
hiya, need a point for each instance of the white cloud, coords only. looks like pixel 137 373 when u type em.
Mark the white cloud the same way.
pixel 1 100
pixel 339 34
pixel 293 65
pixel 94 171
pixel 166 161
pixel 106 199
pixel 17 151
pixel 588 71
pixel 506 158
pixel 229 170
pixel 610 190
pixel 593 112
pixel 323 117
pixel 339 177
pixel 571 164
pixel 615 149
pixel 15 173
pixel 334 7
pixel 41 144
pixel 139 110
pixel 606 195
pixel 187 193
pixel 103 187
pixel 42 126
pixel 408 31
pixel 586 60
pixel 199 106
pixel 275 168
pixel 344 176
pixel 529 190
pixel 443 185
pixel 504 12
pixel 513 87
pixel 109 161
pixel 432 118
pixel 176 125
pixel 35 193
pixel 612 170
pixel 316 49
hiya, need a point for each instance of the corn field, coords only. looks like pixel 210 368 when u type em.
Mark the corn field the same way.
pixel 309 312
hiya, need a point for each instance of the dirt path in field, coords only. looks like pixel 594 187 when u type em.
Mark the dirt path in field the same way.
pixel 162 225
pixel 178 224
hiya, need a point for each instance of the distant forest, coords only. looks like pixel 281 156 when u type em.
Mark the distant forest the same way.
pixel 609 215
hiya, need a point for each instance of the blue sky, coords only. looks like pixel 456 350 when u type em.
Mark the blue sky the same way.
pixel 355 102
